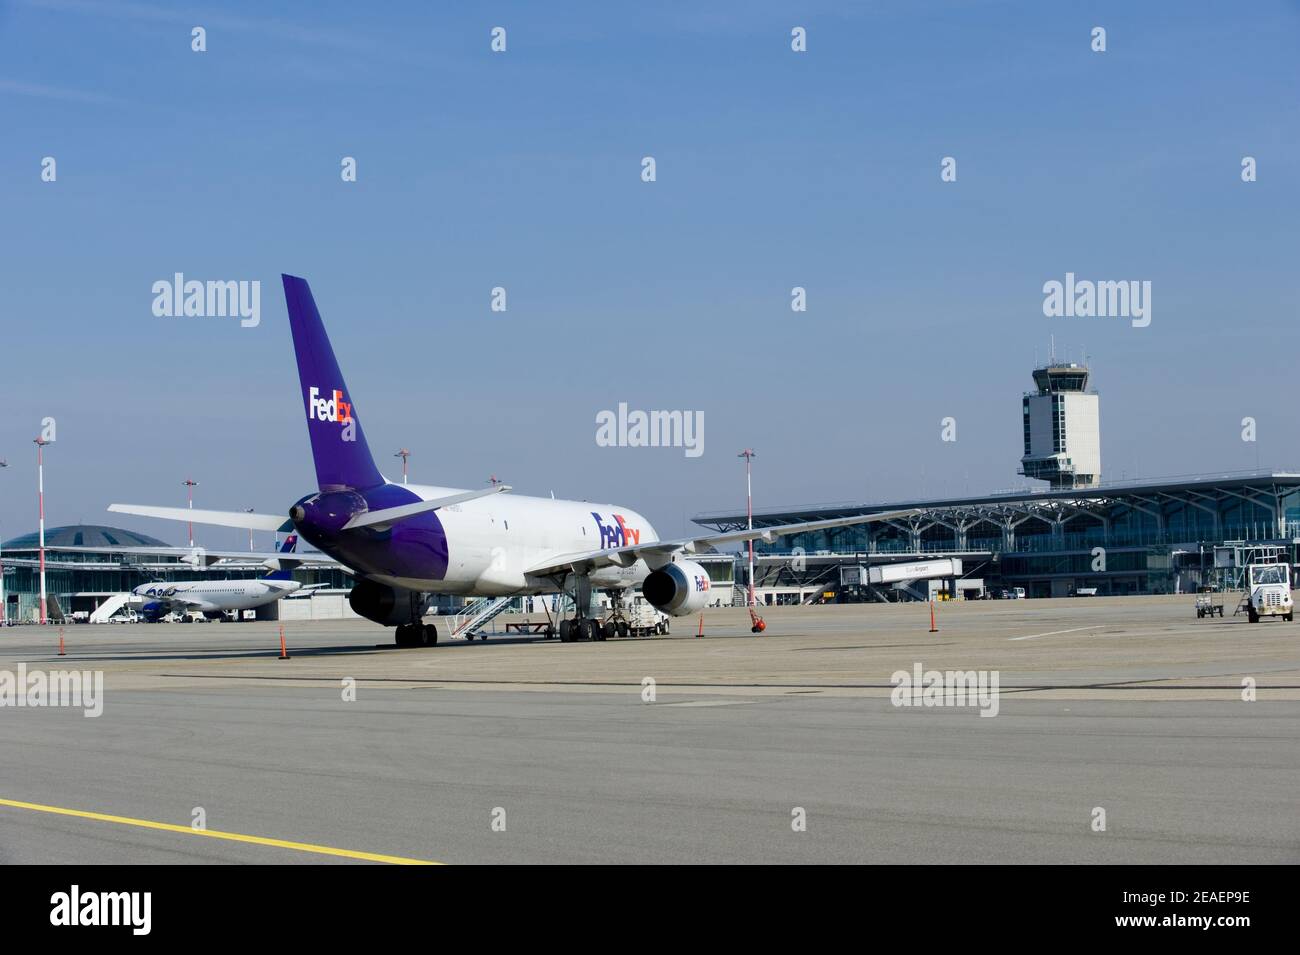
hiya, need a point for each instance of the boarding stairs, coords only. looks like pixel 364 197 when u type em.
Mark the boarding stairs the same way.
pixel 910 588
pixel 822 586
pixel 109 607
pixel 477 614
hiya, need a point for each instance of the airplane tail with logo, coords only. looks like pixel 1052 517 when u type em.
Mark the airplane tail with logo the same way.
pixel 338 445
pixel 284 568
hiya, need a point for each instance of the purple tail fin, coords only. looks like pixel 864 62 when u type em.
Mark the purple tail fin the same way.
pixel 337 443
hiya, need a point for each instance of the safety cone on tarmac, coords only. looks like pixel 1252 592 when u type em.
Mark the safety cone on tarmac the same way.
pixel 284 653
pixel 61 653
pixel 933 628
pixel 701 633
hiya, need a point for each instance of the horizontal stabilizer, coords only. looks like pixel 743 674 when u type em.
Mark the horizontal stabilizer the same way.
pixel 388 516
pixel 240 519
pixel 189 554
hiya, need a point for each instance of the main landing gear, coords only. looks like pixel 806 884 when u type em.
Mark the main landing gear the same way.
pixel 417 635
pixel 583 628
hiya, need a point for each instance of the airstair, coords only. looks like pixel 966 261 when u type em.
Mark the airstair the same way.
pixel 109 607
pixel 477 614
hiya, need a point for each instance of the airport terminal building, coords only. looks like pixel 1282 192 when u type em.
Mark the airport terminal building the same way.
pixel 82 581
pixel 1130 538
pixel 1078 533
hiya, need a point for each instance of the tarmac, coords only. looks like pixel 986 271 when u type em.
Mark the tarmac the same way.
pixel 1126 731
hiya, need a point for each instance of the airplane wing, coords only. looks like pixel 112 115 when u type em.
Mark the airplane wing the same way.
pixel 381 519
pixel 169 600
pixel 626 556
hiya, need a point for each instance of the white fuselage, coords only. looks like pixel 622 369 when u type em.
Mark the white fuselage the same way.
pixel 492 541
pixel 215 596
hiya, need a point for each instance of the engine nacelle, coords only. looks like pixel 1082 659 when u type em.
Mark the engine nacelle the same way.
pixel 680 588
pixel 386 605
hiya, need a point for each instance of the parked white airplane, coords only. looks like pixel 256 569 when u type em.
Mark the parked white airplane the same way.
pixel 407 542
pixel 212 598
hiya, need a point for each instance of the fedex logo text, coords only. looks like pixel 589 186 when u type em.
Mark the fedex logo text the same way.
pixel 701 583
pixel 617 534
pixel 333 408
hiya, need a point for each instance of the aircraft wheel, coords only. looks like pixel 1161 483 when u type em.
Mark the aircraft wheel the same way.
pixel 566 631
pixel 593 630
pixel 430 634
pixel 609 631
pixel 402 636
pixel 623 629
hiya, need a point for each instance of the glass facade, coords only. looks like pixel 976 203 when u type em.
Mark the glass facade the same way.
pixel 1144 539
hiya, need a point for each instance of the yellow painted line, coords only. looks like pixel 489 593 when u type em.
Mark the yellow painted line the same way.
pixel 216 834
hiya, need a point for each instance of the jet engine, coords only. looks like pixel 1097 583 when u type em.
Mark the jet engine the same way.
pixel 386 605
pixel 680 588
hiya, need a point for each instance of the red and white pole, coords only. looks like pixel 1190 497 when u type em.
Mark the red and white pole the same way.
pixel 40 495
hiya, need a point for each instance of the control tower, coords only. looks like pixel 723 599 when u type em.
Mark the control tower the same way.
pixel 1062 428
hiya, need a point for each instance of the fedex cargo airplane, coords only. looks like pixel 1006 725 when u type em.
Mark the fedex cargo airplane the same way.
pixel 405 543
pixel 212 598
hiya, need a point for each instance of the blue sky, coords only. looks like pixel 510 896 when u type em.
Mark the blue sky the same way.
pixel 522 169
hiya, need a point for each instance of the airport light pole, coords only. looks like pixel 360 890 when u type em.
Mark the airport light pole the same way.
pixel 40 496
pixel 748 455
pixel 249 510
pixel 189 493
pixel 403 454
